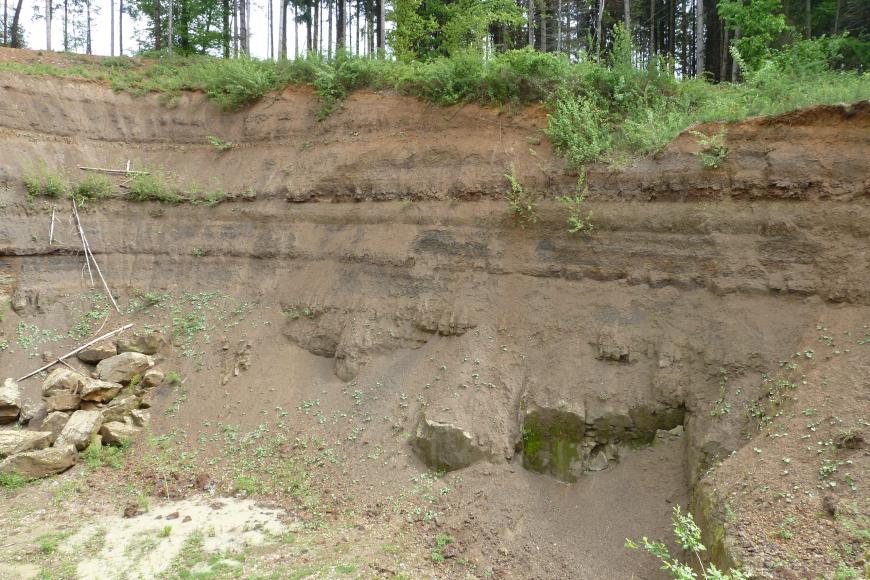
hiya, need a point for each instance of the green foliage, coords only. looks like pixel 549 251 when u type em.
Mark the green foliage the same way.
pixel 578 127
pixel 688 537
pixel 97 455
pixel 579 220
pixel 12 481
pixel 713 150
pixel 219 143
pixel 44 182
pixel 760 23
pixel 152 187
pixel 522 204
pixel 92 187
pixel 49 542
pixel 442 540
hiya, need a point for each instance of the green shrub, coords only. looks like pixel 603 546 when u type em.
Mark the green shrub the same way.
pixel 43 182
pixel 93 187
pixel 97 455
pixel 12 480
pixel 152 187
pixel 579 128
pixel 522 204
pixel 713 150
pixel 579 220
pixel 219 143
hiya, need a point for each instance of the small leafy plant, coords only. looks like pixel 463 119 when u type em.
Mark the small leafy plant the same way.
pixel 578 219
pixel 522 204
pixel 219 144
pixel 44 182
pixel 713 150
pixel 92 187
pixel 152 187
pixel 688 537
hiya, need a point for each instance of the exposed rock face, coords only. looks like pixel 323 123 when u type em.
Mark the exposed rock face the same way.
pixel 15 441
pixel 553 442
pixel 99 391
pixel 120 408
pixel 148 343
pixel 123 367
pixel 140 417
pixel 32 410
pixel 61 380
pixel 82 425
pixel 36 464
pixel 62 402
pixel 612 346
pixel 10 401
pixel 55 422
pixel 97 352
pixel 445 446
pixel 117 433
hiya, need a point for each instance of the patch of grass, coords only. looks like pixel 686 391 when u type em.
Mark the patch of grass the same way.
pixel 44 182
pixel 49 542
pixel 173 377
pixel 97 455
pixel 12 481
pixel 164 532
pixel 442 540
pixel 92 187
pixel 153 187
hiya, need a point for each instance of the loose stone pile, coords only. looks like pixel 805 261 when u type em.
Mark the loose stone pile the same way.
pixel 76 411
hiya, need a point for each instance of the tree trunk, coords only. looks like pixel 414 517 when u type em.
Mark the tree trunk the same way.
pixel 531 8
pixel 626 8
pixel 120 27
pixel 243 27
pixel 170 32
pixel 684 57
pixel 282 51
pixel 700 46
pixel 6 21
pixel 598 26
pixel 157 32
pixel 382 26
pixel 809 21
pixel 295 31
pixel 652 29
pixel 111 27
pixel 329 33
pixel 836 18
pixel 339 27
pixel 543 17
pixel 723 56
pixel 48 25
pixel 16 37
pixel 734 71
pixel 225 27
pixel 88 43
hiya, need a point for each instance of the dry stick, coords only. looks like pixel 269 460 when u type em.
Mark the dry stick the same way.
pixel 113 171
pixel 84 243
pixel 51 228
pixel 88 252
pixel 82 347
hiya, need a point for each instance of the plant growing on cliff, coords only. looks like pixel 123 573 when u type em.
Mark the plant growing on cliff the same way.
pixel 219 144
pixel 152 187
pixel 579 220
pixel 713 150
pixel 43 181
pixel 92 187
pixel 522 204
pixel 688 536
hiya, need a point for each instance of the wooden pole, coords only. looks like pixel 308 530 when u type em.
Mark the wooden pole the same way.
pixel 72 352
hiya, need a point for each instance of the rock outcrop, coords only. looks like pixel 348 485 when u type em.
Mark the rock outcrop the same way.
pixel 123 367
pixel 10 401
pixel 445 445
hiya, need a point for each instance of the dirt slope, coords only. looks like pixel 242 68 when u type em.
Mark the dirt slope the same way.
pixel 321 336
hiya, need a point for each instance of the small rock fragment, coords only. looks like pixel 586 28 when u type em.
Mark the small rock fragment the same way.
pixel 117 433
pixel 14 441
pixel 97 352
pixel 123 367
pixel 10 401
pixel 99 391
pixel 55 422
pixel 62 402
pixel 148 343
pixel 36 464
pixel 61 380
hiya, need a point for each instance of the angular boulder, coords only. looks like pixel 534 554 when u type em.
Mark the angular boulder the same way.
pixel 54 423
pixel 32 410
pixel 82 425
pixel 144 343
pixel 14 441
pixel 117 432
pixel 36 464
pixel 10 401
pixel 120 408
pixel 61 380
pixel 97 352
pixel 62 402
pixel 153 378
pixel 140 417
pixel 99 391
pixel 445 445
pixel 123 367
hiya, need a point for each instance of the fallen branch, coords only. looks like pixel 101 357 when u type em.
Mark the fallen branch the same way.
pixel 113 171
pixel 77 350
pixel 89 253
pixel 84 242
